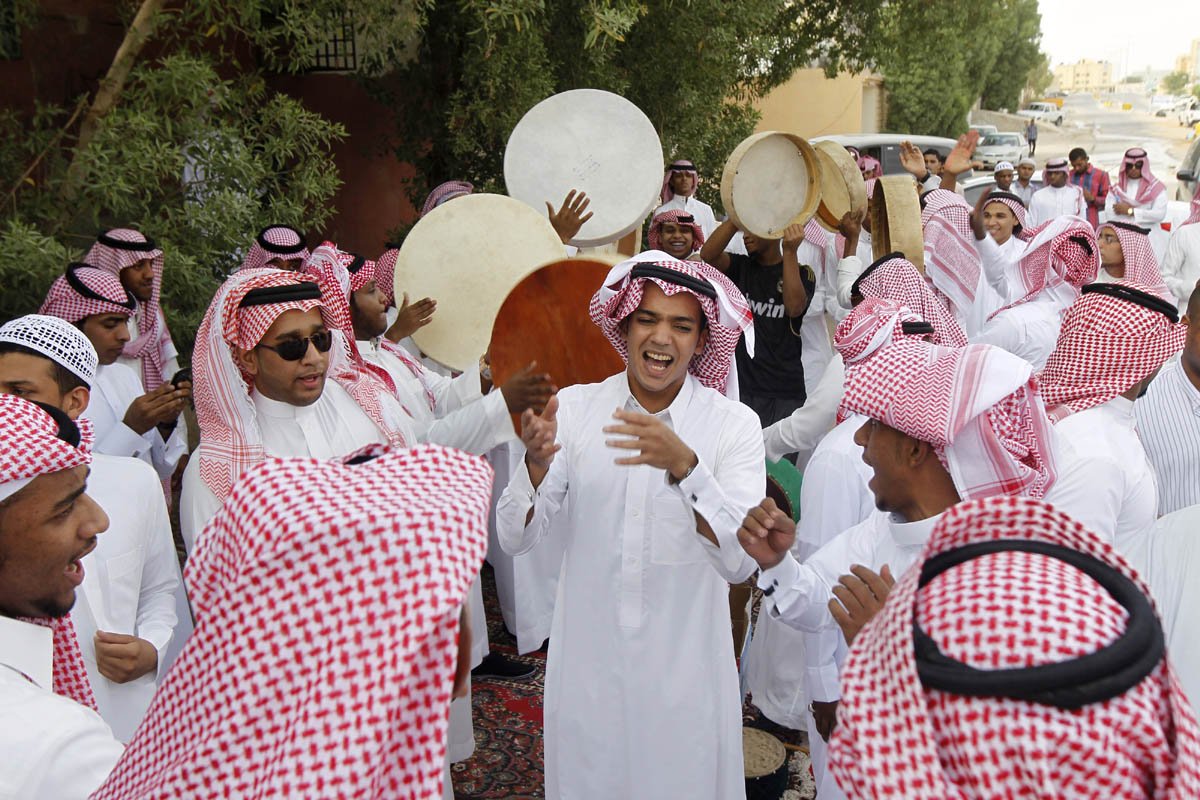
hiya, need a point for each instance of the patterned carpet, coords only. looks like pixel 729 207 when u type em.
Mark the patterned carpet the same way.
pixel 507 763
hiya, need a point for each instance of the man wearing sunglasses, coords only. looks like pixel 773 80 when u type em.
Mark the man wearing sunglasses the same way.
pixel 1139 198
pixel 273 379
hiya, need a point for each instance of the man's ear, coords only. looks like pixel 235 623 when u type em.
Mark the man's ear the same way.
pixel 623 329
pixel 702 342
pixel 247 360
pixel 75 402
pixel 917 452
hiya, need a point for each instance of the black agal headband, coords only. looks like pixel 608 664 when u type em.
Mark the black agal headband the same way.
pixel 121 244
pixel 1136 296
pixel 697 285
pixel 280 249
pixel 288 293
pixel 83 290
pixel 1107 673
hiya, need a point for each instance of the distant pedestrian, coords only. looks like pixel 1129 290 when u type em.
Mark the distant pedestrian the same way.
pixel 1031 136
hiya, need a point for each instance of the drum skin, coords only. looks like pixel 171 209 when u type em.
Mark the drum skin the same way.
pixel 467 255
pixel 896 219
pixel 594 141
pixel 771 180
pixel 545 319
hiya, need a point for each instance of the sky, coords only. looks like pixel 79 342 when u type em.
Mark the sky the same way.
pixel 1132 35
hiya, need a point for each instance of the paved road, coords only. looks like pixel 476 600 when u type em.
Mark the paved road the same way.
pixel 1107 131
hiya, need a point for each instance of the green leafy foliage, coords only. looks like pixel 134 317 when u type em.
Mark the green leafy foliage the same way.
pixel 1175 82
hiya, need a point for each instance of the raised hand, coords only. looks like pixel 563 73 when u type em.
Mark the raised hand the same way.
pixel 959 160
pixel 767 534
pixel 859 598
pixel 539 433
pixel 656 443
pixel 411 318
pixel 793 235
pixel 570 217
pixel 850 225
pixel 912 159
pixel 528 390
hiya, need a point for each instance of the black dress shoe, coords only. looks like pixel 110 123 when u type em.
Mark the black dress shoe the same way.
pixel 494 665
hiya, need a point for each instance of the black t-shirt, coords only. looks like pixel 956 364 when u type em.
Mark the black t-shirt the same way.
pixel 776 369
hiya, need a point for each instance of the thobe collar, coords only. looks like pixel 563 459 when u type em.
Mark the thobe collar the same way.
pixel 911 534
pixel 28 649
pixel 675 411
pixel 276 409
pixel 1120 408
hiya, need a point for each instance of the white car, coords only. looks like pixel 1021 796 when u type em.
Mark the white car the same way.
pixel 1043 112
pixel 1007 146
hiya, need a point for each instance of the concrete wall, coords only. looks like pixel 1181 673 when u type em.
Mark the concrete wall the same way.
pixel 812 105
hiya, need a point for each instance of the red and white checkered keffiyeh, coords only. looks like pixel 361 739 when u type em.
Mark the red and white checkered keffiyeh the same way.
pixel 952 262
pixel 33 448
pixel 229 432
pixel 1149 187
pixel 978 406
pixel 109 254
pixel 1194 217
pixel 899 740
pixel 870 167
pixel 729 316
pixel 873 324
pixel 327 598
pixel 1016 207
pixel 1105 347
pixel 275 241
pixel 385 273
pixel 666 194
pixel 896 278
pixel 676 215
pixel 84 291
pixel 1063 255
pixel 445 191
pixel 1141 265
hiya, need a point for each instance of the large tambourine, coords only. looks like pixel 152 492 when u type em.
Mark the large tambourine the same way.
pixel 467 254
pixel 594 141
pixel 545 319
pixel 842 186
pixel 896 219
pixel 770 181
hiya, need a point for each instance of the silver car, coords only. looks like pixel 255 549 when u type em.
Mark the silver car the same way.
pixel 1005 146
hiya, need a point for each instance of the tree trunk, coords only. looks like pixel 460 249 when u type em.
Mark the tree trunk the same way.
pixel 111 86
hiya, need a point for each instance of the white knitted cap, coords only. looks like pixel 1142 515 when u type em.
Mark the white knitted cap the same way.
pixel 56 339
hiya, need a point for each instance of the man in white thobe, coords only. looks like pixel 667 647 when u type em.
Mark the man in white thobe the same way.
pixel 1139 198
pixel 126 616
pixel 53 746
pixel 1181 262
pixel 641 690
pixel 308 396
pixel 128 420
pixel 1057 198
pixel 1113 341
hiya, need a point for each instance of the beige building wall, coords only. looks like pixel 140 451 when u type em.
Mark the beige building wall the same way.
pixel 1084 76
pixel 1194 59
pixel 810 104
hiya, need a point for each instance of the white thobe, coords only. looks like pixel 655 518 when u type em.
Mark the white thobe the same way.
pixel 1170 568
pixel 1029 330
pixel 1168 424
pixel 641 687
pixel 1024 192
pixel 130 583
pixel 1181 263
pixel 114 388
pixel 702 211
pixel 788 668
pixel 462 417
pixel 1120 484
pixel 1147 215
pixel 1051 203
pixel 816 347
pixel 51 748
pixel 331 427
pixel 170 355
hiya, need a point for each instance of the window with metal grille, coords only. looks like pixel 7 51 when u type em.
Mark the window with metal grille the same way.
pixel 10 32
pixel 337 53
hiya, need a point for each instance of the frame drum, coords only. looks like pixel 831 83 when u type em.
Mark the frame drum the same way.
pixel 896 219
pixel 468 254
pixel 594 141
pixel 842 186
pixel 545 319
pixel 771 180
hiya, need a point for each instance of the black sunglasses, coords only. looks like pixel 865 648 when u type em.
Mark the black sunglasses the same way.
pixel 294 349
pixel 1133 164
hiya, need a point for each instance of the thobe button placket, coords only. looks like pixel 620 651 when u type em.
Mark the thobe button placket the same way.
pixel 633 537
